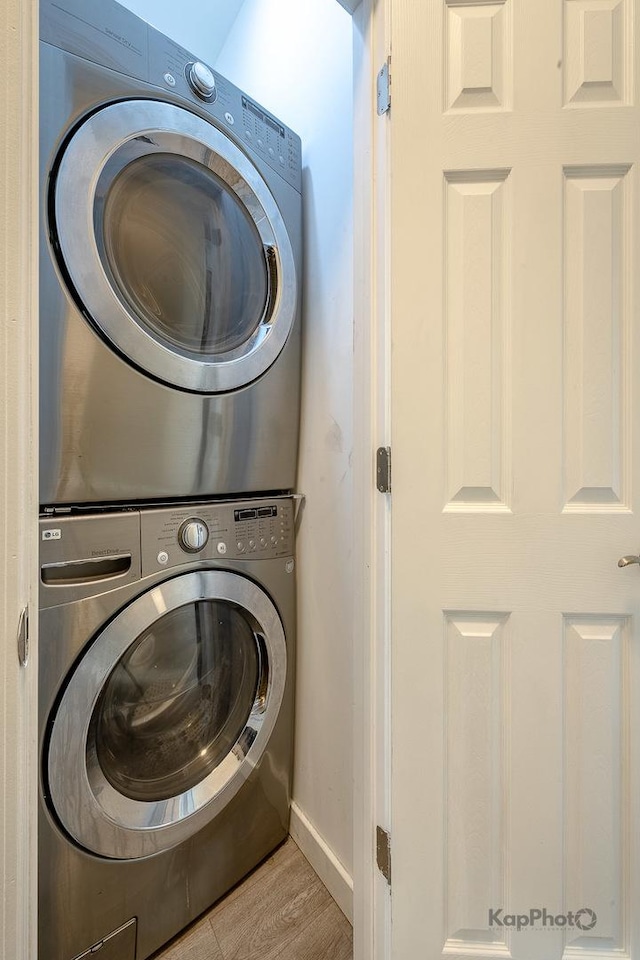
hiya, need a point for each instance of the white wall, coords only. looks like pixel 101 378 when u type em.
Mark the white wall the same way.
pixel 296 59
pixel 201 26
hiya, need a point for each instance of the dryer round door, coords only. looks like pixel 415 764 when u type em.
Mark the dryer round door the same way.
pixel 175 246
pixel 167 714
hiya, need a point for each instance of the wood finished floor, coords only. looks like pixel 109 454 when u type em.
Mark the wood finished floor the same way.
pixel 281 910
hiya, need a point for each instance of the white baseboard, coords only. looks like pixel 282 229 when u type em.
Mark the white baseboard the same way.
pixel 323 860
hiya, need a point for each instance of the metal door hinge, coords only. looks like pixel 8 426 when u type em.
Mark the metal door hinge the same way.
pixel 383 86
pixel 383 853
pixel 383 469
pixel 23 637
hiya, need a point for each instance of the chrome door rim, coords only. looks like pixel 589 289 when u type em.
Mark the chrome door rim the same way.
pixel 176 131
pixel 94 813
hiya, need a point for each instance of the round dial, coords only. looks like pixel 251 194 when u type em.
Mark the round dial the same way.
pixel 193 535
pixel 201 80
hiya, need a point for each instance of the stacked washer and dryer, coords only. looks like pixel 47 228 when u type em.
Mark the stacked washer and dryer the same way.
pixel 169 382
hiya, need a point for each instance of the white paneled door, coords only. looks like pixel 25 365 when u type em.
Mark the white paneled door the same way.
pixel 515 134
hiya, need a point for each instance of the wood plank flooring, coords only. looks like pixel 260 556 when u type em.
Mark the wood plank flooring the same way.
pixel 281 910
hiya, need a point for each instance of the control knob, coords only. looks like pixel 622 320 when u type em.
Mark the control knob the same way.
pixel 201 80
pixel 193 535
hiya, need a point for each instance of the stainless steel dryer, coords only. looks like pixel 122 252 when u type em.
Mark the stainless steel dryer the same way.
pixel 166 710
pixel 170 270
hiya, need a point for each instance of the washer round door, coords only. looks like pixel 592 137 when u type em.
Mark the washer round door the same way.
pixel 175 246
pixel 167 714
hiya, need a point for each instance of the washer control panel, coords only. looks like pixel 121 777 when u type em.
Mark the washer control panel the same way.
pixel 249 529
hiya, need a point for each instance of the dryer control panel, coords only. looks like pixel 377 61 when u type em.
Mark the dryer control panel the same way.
pixel 111 35
pixel 252 529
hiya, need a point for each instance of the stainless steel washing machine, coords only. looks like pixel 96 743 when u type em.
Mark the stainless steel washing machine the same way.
pixel 170 270
pixel 166 711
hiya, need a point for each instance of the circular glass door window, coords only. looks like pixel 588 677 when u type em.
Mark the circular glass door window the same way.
pixel 185 254
pixel 167 714
pixel 177 701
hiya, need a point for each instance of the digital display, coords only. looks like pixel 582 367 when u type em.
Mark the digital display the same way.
pixel 245 515
pixel 274 126
pixel 250 513
pixel 261 115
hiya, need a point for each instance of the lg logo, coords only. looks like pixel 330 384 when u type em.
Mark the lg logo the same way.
pixel 52 534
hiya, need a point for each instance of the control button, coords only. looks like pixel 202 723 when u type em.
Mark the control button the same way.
pixel 229 118
pixel 163 557
pixel 274 540
pixel 281 159
pixel 247 134
pixel 289 565
pixel 241 546
pixel 201 80
pixel 252 544
pixel 272 152
pixel 263 542
pixel 222 547
pixel 260 142
pixel 193 535
pixel 170 80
